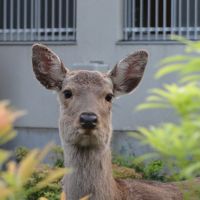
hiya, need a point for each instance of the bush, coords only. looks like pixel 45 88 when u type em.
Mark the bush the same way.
pixel 153 170
pixel 15 179
pixel 57 156
pixel 52 191
pixel 20 153
pixel 178 143
pixel 125 161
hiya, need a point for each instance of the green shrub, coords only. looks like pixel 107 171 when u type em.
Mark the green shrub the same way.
pixel 155 171
pixel 177 143
pixel 20 153
pixel 14 179
pixel 125 161
pixel 52 191
pixel 152 170
pixel 57 156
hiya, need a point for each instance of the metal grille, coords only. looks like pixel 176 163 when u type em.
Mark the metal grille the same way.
pixel 37 20
pixel 155 20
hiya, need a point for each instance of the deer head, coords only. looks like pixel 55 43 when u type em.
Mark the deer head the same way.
pixel 86 96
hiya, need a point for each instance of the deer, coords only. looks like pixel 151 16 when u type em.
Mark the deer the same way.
pixel 85 126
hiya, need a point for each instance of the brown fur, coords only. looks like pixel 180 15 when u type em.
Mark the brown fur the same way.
pixel 87 151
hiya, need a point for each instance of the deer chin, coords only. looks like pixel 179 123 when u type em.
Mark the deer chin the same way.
pixel 87 141
pixel 87 138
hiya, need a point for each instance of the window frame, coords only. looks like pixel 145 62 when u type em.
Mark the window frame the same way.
pixel 26 27
pixel 134 31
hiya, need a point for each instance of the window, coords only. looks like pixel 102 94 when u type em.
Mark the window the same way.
pixel 37 20
pixel 155 20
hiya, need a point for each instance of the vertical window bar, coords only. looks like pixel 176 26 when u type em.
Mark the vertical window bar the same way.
pixel 11 20
pixel 125 19
pixel 180 17
pixel 35 19
pixel 175 15
pixel 195 18
pixel 172 16
pixel 25 20
pixel 188 19
pixel 133 20
pixel 156 20
pixel 149 20
pixel 60 20
pixel 141 19
pixel 53 20
pixel 128 18
pixel 131 12
pixel 164 19
pixel 74 19
pixel 67 19
pixel 38 18
pixel 18 19
pixel 5 20
pixel 45 20
pixel 32 19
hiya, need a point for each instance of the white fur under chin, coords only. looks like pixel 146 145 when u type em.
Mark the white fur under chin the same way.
pixel 87 141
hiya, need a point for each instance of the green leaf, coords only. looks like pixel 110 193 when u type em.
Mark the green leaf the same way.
pixel 181 39
pixel 154 98
pixel 176 58
pixel 191 169
pixel 168 69
pixel 53 176
pixel 190 78
pixel 162 93
pixel 145 157
pixel 151 106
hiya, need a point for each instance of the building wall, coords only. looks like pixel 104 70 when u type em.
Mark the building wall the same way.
pixel 99 28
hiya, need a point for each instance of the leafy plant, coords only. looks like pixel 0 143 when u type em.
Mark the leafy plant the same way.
pixel 57 156
pixel 152 170
pixel 16 176
pixel 122 172
pixel 155 171
pixel 51 191
pixel 178 143
pixel 125 161
pixel 20 153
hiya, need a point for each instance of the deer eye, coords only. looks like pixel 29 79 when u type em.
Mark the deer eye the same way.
pixel 67 94
pixel 109 97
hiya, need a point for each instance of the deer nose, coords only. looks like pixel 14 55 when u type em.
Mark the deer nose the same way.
pixel 88 120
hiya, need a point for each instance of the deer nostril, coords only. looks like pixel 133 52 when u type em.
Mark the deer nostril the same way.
pixel 88 120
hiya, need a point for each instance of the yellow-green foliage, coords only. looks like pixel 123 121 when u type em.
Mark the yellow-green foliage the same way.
pixel 16 176
pixel 178 143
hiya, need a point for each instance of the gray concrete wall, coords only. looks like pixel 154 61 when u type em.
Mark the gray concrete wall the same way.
pixel 99 28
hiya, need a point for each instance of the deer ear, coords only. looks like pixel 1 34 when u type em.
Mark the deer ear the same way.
pixel 48 68
pixel 127 74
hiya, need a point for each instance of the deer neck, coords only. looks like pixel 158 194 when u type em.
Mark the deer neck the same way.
pixel 92 174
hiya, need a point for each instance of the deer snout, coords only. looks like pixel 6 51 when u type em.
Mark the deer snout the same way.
pixel 88 120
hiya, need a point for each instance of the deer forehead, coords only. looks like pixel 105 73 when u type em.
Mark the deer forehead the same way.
pixel 88 79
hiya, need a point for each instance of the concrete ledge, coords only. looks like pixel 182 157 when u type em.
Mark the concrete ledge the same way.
pixel 21 43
